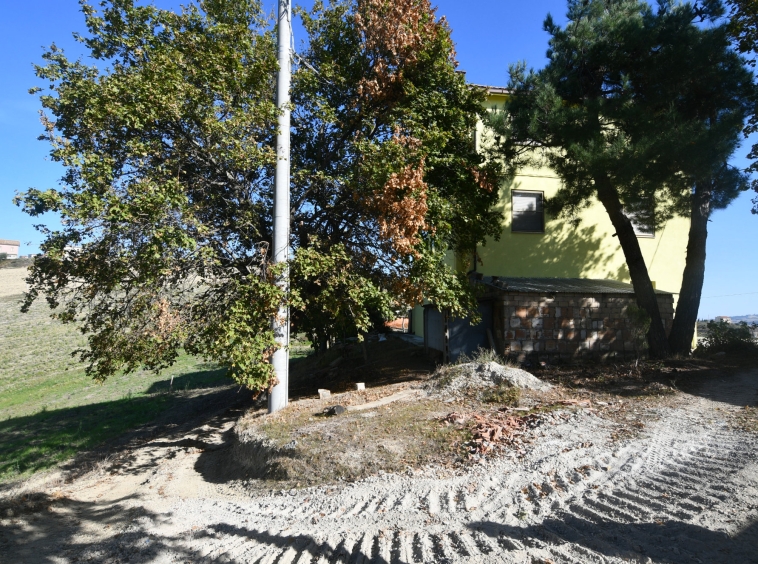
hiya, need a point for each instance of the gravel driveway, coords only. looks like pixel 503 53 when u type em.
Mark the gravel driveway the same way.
pixel 684 488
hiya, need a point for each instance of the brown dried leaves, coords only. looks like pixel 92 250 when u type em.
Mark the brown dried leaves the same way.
pixel 486 180
pixel 494 431
pixel 167 320
pixel 401 207
pixel 394 33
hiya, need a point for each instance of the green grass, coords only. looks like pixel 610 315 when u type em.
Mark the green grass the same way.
pixel 50 410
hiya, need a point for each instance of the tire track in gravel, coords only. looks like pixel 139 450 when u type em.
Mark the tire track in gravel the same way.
pixel 678 493
pixel 684 490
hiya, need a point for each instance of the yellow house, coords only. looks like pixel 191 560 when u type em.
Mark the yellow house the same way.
pixel 555 248
pixel 533 245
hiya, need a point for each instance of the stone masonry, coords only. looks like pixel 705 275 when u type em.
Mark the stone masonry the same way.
pixel 568 325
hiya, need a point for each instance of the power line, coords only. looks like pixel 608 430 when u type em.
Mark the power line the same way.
pixel 730 295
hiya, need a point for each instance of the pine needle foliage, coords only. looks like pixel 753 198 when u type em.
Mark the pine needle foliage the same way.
pixel 635 107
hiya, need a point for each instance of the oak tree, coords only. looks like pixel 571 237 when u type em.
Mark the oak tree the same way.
pixel 167 140
pixel 743 25
pixel 387 175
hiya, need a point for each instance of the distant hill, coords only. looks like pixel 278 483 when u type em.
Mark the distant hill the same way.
pixel 16 263
pixel 746 318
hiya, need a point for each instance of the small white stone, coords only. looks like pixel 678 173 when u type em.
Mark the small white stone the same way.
pixel 323 394
pixel 360 386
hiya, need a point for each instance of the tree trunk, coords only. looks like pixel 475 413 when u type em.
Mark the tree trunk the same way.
pixel 643 287
pixel 680 339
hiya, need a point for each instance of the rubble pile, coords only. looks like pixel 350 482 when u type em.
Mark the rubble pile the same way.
pixel 459 379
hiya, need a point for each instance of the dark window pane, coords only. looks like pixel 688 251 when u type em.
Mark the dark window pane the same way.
pixel 528 215
pixel 641 227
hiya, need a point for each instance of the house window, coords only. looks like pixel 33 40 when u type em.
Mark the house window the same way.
pixel 640 228
pixel 528 212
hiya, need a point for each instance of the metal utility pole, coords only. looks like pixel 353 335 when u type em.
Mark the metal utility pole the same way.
pixel 279 396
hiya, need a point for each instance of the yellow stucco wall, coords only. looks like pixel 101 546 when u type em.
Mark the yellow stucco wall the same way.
pixel 588 250
pixel 418 320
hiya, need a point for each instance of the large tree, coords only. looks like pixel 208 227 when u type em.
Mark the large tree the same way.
pixel 743 25
pixel 639 109
pixel 386 172
pixel 167 140
pixel 743 28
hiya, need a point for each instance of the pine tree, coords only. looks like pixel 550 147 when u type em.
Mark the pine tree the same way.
pixel 641 110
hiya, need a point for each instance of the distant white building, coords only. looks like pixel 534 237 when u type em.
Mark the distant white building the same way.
pixel 723 318
pixel 10 248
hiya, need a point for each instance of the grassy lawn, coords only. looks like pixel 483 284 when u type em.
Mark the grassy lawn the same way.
pixel 50 410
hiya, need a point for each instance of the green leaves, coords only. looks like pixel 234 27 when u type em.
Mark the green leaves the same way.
pixel 743 30
pixel 166 202
pixel 163 202
pixel 333 296
pixel 235 320
pixel 387 170
pixel 634 108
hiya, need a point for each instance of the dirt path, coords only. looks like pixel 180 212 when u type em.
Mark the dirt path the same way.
pixel 683 489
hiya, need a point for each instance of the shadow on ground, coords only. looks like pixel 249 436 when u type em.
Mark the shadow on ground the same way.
pixel 200 380
pixel 705 378
pixel 81 434
pixel 63 530
pixel 43 539
pixel 120 532
pixel 669 541
pixel 200 415
pixel 79 438
pixel 379 363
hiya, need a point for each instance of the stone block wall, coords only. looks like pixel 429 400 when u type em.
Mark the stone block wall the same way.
pixel 568 325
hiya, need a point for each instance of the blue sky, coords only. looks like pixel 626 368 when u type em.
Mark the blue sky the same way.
pixel 489 36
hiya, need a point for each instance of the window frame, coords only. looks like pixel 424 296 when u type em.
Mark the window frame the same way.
pixel 637 229
pixel 542 209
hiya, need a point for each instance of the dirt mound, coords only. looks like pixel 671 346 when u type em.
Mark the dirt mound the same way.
pixel 483 376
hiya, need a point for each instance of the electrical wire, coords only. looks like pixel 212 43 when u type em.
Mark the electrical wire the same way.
pixel 295 56
pixel 729 295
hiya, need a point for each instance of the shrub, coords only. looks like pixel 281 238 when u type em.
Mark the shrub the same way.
pixel 727 337
pixel 484 355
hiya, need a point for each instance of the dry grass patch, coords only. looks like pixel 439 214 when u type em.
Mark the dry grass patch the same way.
pixel 302 446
